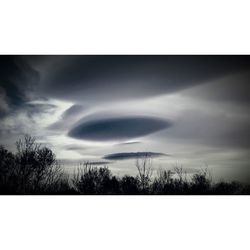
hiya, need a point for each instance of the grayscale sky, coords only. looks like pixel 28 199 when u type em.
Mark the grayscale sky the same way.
pixel 186 110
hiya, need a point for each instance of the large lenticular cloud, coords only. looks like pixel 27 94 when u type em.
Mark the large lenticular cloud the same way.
pixel 116 129
pixel 97 79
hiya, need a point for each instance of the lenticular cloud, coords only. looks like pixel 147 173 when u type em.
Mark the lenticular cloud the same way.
pixel 118 128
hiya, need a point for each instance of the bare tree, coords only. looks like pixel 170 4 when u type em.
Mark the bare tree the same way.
pixel 181 174
pixel 202 180
pixel 164 176
pixel 145 171
pixel 36 166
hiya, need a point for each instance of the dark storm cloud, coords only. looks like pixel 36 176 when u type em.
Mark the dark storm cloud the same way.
pixel 17 80
pixel 120 128
pixel 132 155
pixel 105 78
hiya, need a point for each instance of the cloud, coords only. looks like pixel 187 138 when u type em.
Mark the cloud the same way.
pixel 233 89
pixel 72 111
pixel 116 129
pixel 99 163
pixel 128 143
pixel 17 80
pixel 132 155
pixel 68 118
pixel 4 106
pixel 95 79
pixel 38 108
pixel 75 147
pixel 212 127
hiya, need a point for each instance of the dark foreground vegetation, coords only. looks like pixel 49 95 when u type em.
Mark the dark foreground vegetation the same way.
pixel 34 170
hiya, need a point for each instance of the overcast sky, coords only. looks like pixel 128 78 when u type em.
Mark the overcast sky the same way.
pixel 187 110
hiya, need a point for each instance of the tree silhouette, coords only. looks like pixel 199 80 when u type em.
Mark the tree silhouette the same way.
pixel 7 173
pixel 33 169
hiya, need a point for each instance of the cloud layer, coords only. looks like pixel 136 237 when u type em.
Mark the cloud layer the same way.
pixel 95 79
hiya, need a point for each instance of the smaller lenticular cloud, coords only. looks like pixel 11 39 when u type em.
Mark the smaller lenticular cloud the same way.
pixel 99 163
pixel 128 143
pixel 116 129
pixel 74 147
pixel 132 155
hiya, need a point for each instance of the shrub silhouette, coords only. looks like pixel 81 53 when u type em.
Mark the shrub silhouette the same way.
pixel 129 185
pixel 33 169
pixel 94 180
pixel 227 188
pixel 201 183
pixel 163 182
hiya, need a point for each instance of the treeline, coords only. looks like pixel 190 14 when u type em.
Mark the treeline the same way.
pixel 33 169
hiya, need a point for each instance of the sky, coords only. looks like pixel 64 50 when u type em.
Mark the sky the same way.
pixel 189 111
